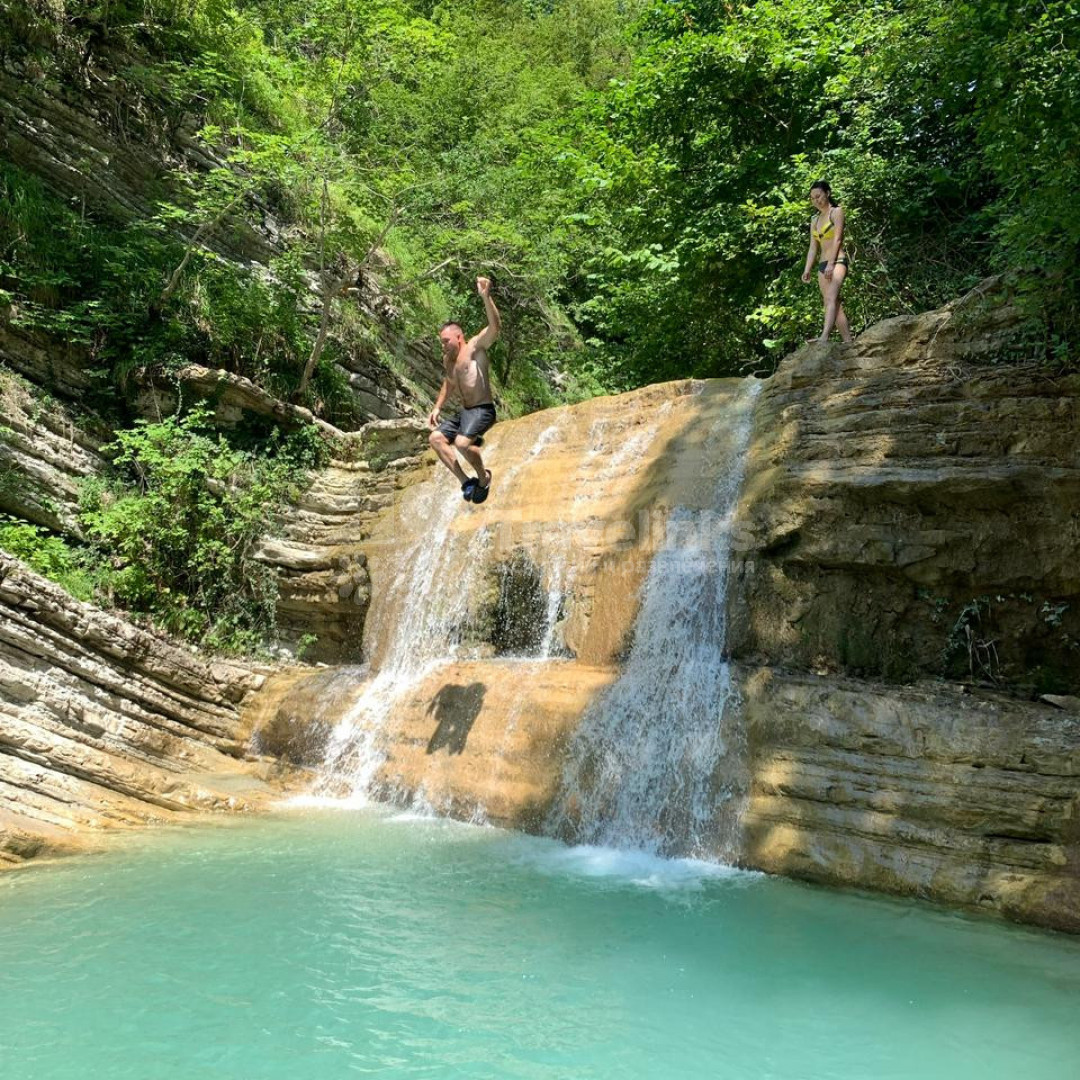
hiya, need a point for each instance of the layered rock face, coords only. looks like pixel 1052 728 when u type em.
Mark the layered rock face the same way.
pixel 554 560
pixel 61 367
pixel 969 799
pixel 911 509
pixel 105 725
pixel 319 547
pixel 45 453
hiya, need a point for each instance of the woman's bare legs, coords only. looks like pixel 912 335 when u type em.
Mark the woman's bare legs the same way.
pixel 834 310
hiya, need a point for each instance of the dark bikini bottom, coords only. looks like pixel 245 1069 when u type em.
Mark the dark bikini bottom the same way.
pixel 821 266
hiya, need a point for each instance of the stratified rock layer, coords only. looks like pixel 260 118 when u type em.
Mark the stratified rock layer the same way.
pixel 319 545
pixel 45 453
pixel 970 799
pixel 104 724
pixel 912 508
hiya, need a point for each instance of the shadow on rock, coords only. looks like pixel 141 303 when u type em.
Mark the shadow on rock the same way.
pixel 456 709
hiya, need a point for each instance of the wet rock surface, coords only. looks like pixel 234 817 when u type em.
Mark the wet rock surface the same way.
pixel 969 799
pixel 875 474
pixel 909 510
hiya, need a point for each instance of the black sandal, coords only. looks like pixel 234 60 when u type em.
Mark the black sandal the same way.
pixel 468 489
pixel 480 492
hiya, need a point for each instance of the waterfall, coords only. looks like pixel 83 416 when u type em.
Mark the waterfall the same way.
pixel 415 626
pixel 561 559
pixel 644 493
pixel 655 762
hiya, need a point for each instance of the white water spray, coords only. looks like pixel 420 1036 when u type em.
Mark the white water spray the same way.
pixel 432 579
pixel 654 765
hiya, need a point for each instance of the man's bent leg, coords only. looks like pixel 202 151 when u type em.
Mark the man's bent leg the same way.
pixel 465 447
pixel 447 455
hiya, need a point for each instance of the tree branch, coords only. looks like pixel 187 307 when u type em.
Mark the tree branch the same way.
pixel 193 243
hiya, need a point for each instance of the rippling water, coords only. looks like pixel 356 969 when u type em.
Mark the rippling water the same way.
pixel 323 944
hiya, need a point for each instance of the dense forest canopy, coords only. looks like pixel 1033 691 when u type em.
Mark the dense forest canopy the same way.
pixel 633 174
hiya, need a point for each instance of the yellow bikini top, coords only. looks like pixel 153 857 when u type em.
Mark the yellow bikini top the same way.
pixel 820 234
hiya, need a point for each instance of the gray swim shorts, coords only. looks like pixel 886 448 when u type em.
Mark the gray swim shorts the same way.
pixel 471 422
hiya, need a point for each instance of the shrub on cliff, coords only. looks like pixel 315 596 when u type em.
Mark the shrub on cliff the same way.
pixel 178 523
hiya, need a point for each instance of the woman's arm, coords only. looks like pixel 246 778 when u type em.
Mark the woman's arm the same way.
pixel 810 255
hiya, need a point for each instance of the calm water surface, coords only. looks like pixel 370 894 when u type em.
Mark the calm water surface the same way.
pixel 324 944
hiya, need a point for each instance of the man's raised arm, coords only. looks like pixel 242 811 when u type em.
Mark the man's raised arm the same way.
pixel 486 338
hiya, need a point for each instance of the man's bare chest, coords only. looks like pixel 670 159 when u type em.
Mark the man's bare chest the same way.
pixel 466 370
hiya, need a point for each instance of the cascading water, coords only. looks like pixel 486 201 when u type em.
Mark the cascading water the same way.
pixel 429 582
pixel 655 762
pixel 416 638
pixel 560 558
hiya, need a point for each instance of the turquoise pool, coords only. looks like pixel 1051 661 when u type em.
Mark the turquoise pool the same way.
pixel 325 943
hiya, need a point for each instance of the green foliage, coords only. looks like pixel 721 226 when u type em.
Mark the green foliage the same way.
pixel 954 156
pixel 639 198
pixel 49 555
pixel 179 523
pixel 1012 70
pixel 358 125
pixel 87 282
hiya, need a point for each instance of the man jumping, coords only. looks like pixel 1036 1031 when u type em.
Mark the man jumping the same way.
pixel 466 370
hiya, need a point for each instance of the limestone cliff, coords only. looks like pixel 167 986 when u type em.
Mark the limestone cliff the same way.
pixel 101 142
pixel 103 724
pixel 912 508
pixel 319 547
pixel 962 798
pixel 47 449
pixel 888 487
pixel 45 452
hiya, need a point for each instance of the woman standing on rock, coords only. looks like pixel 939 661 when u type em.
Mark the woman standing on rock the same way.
pixel 827 248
